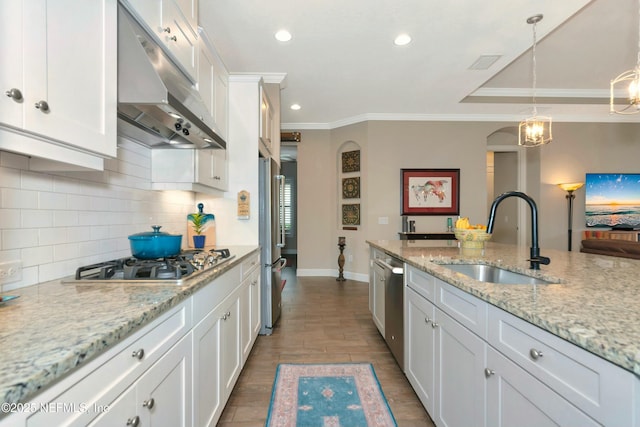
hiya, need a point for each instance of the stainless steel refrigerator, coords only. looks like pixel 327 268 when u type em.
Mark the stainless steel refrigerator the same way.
pixel 272 234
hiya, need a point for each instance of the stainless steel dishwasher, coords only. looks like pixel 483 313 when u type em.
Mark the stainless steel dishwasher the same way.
pixel 393 307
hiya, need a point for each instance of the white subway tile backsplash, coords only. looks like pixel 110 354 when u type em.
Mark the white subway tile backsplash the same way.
pixel 65 252
pixel 32 218
pixel 57 222
pixel 65 218
pixel 36 255
pixel 9 177
pixel 19 199
pixel 19 238
pixel 52 236
pixel 36 181
pixel 10 218
pixel 52 200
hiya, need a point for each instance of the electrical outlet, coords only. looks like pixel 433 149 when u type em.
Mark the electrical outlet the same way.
pixel 350 258
pixel 10 272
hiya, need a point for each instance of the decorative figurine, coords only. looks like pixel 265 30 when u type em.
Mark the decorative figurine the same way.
pixel 341 245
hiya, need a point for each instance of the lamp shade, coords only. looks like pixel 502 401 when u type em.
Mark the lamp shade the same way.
pixel 571 186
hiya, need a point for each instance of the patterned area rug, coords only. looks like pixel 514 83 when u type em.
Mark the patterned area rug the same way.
pixel 328 395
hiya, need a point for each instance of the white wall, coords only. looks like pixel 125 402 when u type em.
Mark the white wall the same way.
pixel 388 147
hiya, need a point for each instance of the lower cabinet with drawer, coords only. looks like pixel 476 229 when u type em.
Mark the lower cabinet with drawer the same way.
pixel 473 364
pixel 177 371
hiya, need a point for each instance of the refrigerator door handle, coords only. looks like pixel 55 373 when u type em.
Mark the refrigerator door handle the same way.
pixel 278 264
pixel 281 211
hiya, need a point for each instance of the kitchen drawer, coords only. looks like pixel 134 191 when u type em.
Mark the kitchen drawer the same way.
pixel 249 264
pixel 421 282
pixel 75 404
pixel 211 295
pixel 468 310
pixel 597 387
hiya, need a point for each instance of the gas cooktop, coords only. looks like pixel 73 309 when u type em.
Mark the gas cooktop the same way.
pixel 170 270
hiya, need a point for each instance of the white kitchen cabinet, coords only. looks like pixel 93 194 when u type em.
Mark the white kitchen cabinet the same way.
pixel 266 121
pixel 172 23
pixel 444 360
pixel 213 85
pixel 377 291
pixel 200 170
pixel 62 89
pixel 460 383
pixel 161 397
pixel 420 347
pixel 99 384
pixel 517 399
pixel 250 305
pixel 483 366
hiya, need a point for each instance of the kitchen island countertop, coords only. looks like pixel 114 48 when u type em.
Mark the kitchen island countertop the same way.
pixel 55 327
pixel 592 302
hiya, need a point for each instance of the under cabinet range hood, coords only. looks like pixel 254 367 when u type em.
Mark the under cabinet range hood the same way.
pixel 157 105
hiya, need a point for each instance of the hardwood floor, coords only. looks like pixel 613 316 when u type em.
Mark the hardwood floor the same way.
pixel 322 321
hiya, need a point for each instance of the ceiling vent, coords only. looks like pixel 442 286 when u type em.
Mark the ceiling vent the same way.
pixel 484 62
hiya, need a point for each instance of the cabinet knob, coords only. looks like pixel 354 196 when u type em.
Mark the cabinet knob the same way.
pixel 175 39
pixel 535 354
pixel 167 30
pixel 149 403
pixel 228 314
pixel 135 421
pixel 224 317
pixel 15 94
pixel 42 106
pixel 488 372
pixel 434 324
pixel 138 354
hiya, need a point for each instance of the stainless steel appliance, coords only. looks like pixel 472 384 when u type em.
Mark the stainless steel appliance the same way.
pixel 393 307
pixel 272 234
pixel 170 270
pixel 157 104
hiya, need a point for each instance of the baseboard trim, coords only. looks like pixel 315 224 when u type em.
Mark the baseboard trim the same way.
pixel 331 273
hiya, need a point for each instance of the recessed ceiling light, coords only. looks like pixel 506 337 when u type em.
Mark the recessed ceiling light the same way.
pixel 295 106
pixel 283 36
pixel 402 39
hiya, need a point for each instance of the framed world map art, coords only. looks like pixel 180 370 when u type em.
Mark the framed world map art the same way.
pixel 351 214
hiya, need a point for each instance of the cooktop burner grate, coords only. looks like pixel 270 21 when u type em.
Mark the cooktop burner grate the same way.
pixel 164 270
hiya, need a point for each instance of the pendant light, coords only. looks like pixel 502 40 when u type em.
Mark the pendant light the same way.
pixel 631 80
pixel 536 130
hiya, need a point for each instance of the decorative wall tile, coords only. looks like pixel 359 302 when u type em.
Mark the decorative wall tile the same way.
pixel 351 161
pixel 351 188
pixel 351 214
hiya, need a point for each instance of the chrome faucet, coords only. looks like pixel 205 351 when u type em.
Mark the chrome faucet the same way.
pixel 535 259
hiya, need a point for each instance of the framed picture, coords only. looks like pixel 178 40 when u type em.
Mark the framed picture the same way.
pixel 351 214
pixel 351 161
pixel 430 191
pixel 351 188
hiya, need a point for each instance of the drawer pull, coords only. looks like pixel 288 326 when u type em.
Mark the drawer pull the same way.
pixel 42 106
pixel 535 354
pixel 15 94
pixel 138 354
pixel 135 421
pixel 488 372
pixel 149 403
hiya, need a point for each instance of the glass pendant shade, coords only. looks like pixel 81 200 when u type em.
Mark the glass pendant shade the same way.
pixel 629 84
pixel 535 131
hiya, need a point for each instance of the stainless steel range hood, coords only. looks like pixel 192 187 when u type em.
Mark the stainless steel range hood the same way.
pixel 157 105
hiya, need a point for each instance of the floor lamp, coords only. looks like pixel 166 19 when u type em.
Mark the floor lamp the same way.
pixel 570 188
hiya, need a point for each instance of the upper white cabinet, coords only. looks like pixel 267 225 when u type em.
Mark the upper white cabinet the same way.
pixel 213 84
pixel 189 169
pixel 266 121
pixel 58 87
pixel 173 24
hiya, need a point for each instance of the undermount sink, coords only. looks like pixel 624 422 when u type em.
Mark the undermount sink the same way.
pixel 492 274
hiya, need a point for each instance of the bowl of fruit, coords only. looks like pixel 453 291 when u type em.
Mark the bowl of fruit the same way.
pixel 471 236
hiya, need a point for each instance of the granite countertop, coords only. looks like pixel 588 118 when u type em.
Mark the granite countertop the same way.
pixel 593 300
pixel 54 327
